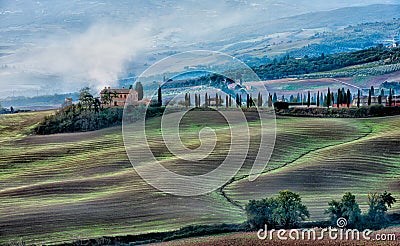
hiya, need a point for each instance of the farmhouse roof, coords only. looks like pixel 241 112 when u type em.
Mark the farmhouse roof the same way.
pixel 117 90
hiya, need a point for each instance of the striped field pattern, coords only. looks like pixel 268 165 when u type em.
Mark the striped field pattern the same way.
pixel 66 187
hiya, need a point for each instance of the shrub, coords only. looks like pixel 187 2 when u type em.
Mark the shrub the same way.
pixel 285 210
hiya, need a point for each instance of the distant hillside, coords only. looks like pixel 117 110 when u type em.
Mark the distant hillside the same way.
pixel 289 66
pixel 352 38
pixel 328 19
pixel 46 100
pixel 328 32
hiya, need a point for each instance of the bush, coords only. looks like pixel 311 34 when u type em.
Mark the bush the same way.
pixel 285 210
pixel 348 208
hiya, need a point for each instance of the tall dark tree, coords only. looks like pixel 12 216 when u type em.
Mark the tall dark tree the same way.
pixel 321 100
pixel 216 100
pixel 338 100
pixel 318 99
pixel 240 100
pixel 372 91
pixel 270 101
pixel 390 97
pixel 230 100
pixel 309 99
pixel 358 99
pixel 328 98
pixel 248 101
pixel 226 101
pixel 348 98
pixel 159 98
pixel 139 89
pixel 206 100
pixel 369 97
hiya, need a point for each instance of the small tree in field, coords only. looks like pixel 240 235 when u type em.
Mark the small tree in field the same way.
pixel 289 209
pixel 378 206
pixel 347 208
pixel 285 210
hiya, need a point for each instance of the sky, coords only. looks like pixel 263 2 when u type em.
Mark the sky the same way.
pixel 56 46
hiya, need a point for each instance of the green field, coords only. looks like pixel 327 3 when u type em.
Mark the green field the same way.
pixel 66 187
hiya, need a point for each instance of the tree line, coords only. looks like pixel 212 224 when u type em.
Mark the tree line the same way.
pixel 286 210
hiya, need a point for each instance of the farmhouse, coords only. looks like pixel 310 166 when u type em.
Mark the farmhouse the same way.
pixel 116 97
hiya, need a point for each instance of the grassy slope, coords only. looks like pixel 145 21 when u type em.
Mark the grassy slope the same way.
pixel 368 163
pixel 70 186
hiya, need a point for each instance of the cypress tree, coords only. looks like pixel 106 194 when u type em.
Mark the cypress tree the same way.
pixel 139 89
pixel 318 99
pixel 369 97
pixel 321 101
pixel 348 98
pixel 240 100
pixel 275 98
pixel 338 101
pixel 216 100
pixel 226 101
pixel 308 99
pixel 230 100
pixel 159 96
pixel 358 99
pixel 270 101
pixel 328 98
pixel 206 100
